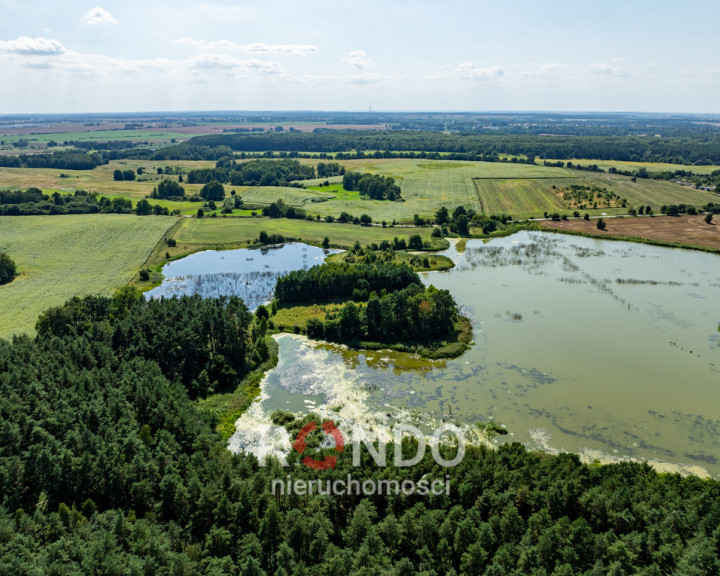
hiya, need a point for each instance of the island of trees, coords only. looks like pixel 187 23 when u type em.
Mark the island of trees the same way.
pixel 393 307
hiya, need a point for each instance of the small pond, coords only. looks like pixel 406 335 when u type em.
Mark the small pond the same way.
pixel 248 273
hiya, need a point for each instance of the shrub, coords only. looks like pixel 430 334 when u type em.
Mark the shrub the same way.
pixel 7 268
pixel 601 224
pixel 415 242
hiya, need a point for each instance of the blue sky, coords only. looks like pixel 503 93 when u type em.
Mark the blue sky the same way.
pixel 75 56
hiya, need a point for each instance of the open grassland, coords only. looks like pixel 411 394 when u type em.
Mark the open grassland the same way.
pixel 339 193
pixel 96 136
pixel 520 197
pixel 317 181
pixel 427 185
pixel 689 231
pixel 100 179
pixel 646 191
pixel 649 166
pixel 531 197
pixel 231 232
pixel 298 197
pixel 519 190
pixel 62 256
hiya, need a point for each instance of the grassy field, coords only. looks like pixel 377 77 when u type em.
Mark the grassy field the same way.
pixel 97 136
pixel 653 192
pixel 525 197
pixel 650 166
pixel 62 256
pixel 519 190
pixel 426 186
pixel 100 179
pixel 528 198
pixel 338 191
pixel 230 232
pixel 297 197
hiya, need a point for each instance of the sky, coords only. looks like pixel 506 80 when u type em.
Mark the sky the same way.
pixel 454 55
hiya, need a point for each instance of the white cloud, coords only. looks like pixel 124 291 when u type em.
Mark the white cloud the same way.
pixel 99 15
pixel 256 47
pixel 359 59
pixel 545 70
pixel 365 78
pixel 471 71
pixel 609 69
pixel 226 62
pixel 33 46
pixel 294 49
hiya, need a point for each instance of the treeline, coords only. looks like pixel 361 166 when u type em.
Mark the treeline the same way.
pixel 33 202
pixel 372 185
pixel 253 173
pixel 108 467
pixel 338 281
pixel 411 314
pixel 704 149
pixel 61 159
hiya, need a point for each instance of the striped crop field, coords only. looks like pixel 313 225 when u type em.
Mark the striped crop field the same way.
pixel 520 196
pixel 59 257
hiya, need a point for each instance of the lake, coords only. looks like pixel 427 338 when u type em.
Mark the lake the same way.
pixel 248 273
pixel 607 349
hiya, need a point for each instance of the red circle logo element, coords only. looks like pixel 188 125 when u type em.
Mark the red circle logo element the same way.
pixel 328 461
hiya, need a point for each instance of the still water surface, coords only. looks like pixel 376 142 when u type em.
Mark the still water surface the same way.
pixel 608 349
pixel 250 274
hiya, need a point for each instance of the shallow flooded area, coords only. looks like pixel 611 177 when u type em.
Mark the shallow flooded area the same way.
pixel 608 349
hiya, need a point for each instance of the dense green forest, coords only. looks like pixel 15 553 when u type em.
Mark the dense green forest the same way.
pixel 60 159
pixel 259 172
pixel 32 202
pixel 340 279
pixel 412 314
pixel 107 467
pixel 686 149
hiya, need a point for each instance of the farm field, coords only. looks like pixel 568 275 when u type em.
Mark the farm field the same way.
pixel 525 196
pixel 649 166
pixel 427 185
pixel 686 230
pixel 519 190
pixel 96 135
pixel 530 198
pixel 100 179
pixel 240 231
pixel 653 192
pixel 62 256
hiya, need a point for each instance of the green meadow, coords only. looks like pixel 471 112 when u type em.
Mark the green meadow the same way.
pixel 59 257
